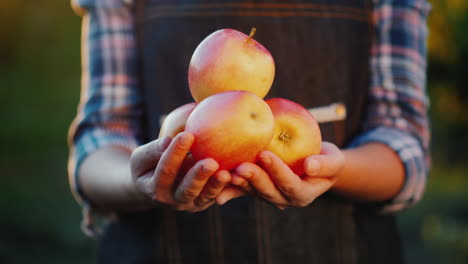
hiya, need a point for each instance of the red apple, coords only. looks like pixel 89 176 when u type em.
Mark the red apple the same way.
pixel 231 127
pixel 297 133
pixel 229 60
pixel 174 123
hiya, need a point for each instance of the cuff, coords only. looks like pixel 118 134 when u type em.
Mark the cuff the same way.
pixel 85 145
pixel 81 6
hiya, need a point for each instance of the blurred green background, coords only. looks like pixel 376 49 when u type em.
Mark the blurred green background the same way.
pixel 39 91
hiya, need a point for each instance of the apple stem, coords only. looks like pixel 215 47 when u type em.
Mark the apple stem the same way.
pixel 252 33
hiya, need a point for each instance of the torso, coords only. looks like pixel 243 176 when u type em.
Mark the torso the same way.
pixel 321 50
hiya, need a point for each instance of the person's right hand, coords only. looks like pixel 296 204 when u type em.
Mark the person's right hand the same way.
pixel 156 169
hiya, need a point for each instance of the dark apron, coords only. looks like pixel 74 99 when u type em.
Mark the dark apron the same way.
pixel 321 49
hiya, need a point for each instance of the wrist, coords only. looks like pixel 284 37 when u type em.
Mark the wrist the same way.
pixel 106 181
pixel 372 173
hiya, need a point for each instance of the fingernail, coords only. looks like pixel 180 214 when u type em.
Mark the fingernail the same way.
pixel 223 178
pixel 265 159
pixel 184 140
pixel 163 143
pixel 208 168
pixel 313 167
pixel 244 173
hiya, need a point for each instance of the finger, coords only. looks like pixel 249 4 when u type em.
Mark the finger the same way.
pixel 260 182
pixel 286 181
pixel 327 164
pixel 228 194
pixel 213 187
pixel 238 180
pixel 171 161
pixel 146 157
pixel 194 181
pixel 241 183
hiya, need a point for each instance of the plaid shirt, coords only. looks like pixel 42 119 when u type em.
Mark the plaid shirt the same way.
pixel 110 108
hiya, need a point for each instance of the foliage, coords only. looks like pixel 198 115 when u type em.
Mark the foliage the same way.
pixel 436 230
pixel 39 73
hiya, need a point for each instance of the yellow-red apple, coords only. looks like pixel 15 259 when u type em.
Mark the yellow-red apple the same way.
pixel 174 123
pixel 229 60
pixel 231 127
pixel 297 133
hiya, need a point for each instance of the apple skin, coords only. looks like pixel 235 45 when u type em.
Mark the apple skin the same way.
pixel 231 127
pixel 175 121
pixel 297 133
pixel 229 60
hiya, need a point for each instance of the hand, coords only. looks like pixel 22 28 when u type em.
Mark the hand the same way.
pixel 156 169
pixel 274 181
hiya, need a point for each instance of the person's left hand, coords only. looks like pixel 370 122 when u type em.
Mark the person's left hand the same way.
pixel 274 181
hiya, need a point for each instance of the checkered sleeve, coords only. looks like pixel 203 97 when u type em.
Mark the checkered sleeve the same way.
pixel 397 111
pixel 110 108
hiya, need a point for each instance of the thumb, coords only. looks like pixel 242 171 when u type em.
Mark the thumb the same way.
pixel 327 164
pixel 146 157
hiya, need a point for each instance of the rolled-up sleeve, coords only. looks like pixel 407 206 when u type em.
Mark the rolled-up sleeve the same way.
pixel 110 107
pixel 397 111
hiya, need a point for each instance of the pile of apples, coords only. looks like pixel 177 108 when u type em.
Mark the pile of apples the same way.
pixel 229 75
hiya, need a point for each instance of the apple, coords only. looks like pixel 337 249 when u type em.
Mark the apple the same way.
pixel 174 123
pixel 297 133
pixel 230 127
pixel 229 60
